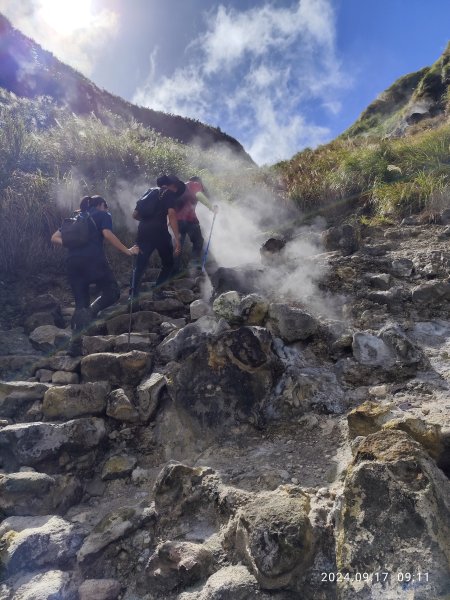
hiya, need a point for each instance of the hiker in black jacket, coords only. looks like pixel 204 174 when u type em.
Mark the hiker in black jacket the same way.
pixel 87 264
pixel 152 212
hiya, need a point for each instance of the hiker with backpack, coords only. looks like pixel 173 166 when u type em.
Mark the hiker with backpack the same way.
pixel 83 236
pixel 152 211
pixel 188 223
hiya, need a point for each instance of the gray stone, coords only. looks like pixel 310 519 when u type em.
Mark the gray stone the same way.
pixel 396 497
pixel 41 318
pixel 275 539
pixel 70 401
pixel 95 344
pixel 118 467
pixel 234 582
pixel 226 306
pixel 402 267
pixel 185 296
pixel 167 305
pixel 32 443
pixel 49 337
pixel 59 362
pixel 112 527
pixel 369 349
pixel 138 341
pixel 184 341
pixel 44 375
pixel 65 377
pixel 118 369
pixel 16 397
pixel 380 282
pixel 99 589
pixel 149 395
pixel 176 565
pixel 32 542
pixel 49 585
pixel 120 407
pixel 433 292
pixel 291 324
pixel 30 493
pixel 198 309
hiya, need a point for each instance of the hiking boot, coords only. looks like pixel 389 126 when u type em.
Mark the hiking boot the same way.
pixel 81 319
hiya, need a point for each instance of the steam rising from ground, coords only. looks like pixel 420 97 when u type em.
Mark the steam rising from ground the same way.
pixel 239 231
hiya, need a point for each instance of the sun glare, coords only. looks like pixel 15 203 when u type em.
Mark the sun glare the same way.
pixel 65 16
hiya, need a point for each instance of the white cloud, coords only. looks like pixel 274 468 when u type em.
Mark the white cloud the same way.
pixel 72 29
pixel 256 72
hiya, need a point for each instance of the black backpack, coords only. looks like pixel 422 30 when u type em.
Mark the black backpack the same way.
pixel 78 231
pixel 148 204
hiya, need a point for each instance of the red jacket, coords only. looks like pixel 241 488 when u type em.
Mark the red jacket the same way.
pixel 188 202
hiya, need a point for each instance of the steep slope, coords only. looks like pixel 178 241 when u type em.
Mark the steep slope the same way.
pixel 29 71
pixel 412 98
pixel 247 453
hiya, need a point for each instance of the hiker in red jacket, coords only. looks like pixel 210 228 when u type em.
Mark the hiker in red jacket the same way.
pixel 188 223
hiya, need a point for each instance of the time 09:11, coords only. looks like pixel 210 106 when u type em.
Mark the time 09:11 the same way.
pixel 407 577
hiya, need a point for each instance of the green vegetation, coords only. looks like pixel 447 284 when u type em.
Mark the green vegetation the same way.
pixel 393 178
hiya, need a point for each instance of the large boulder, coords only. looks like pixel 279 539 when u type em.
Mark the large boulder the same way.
pixel 290 323
pixel 182 342
pixel 175 565
pixel 29 493
pixel 16 397
pixel 394 517
pixel 389 349
pixel 48 585
pixel 48 338
pixel 33 443
pixel 118 369
pixel 114 526
pixel 227 379
pixel 70 401
pixel 275 539
pixel 31 542
pixel 234 582
pixel 343 238
pixel 251 309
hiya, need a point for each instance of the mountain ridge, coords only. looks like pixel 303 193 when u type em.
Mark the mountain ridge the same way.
pixel 45 75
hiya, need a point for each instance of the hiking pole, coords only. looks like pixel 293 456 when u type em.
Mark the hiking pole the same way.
pixel 209 241
pixel 131 298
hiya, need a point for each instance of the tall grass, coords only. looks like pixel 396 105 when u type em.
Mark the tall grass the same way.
pixel 395 177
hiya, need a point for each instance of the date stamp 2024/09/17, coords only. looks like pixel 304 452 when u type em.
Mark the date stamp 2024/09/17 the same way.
pixel 401 577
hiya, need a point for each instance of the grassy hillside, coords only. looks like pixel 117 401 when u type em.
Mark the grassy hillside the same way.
pixel 392 162
pixel 388 178
pixel 420 96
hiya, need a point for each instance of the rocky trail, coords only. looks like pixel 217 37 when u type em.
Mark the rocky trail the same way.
pixel 253 446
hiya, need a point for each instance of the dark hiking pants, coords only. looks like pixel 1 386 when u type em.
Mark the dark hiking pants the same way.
pixel 187 228
pixel 82 272
pixel 163 245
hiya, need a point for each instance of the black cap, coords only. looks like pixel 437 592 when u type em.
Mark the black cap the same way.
pixel 172 180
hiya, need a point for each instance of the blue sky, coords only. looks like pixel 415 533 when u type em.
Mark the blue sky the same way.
pixel 278 76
